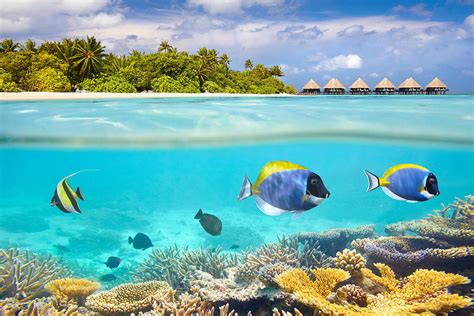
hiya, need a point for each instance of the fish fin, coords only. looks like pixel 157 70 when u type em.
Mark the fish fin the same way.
pixel 374 181
pixel 198 214
pixel 77 172
pixel 297 214
pixel 79 193
pixel 130 240
pixel 267 208
pixel 392 195
pixel 409 201
pixel 246 189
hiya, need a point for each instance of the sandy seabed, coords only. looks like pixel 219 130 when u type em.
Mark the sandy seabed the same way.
pixel 12 96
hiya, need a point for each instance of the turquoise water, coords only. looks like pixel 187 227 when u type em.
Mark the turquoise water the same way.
pixel 160 160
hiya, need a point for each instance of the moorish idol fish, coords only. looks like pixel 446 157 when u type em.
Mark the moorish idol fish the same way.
pixel 283 187
pixel 405 182
pixel 65 198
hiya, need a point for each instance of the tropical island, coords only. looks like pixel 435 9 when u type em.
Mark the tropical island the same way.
pixel 84 65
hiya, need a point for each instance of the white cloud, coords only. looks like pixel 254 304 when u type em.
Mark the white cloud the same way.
pixel 469 21
pixel 351 61
pixel 374 75
pixel 99 20
pixel 418 70
pixel 231 6
pixel 291 70
pixel 417 9
pixel 21 7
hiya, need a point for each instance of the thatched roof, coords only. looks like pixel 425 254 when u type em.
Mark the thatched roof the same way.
pixel 409 83
pixel 334 84
pixel 436 83
pixel 311 85
pixel 359 84
pixel 385 84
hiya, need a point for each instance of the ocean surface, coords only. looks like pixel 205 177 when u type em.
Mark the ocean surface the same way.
pixel 159 161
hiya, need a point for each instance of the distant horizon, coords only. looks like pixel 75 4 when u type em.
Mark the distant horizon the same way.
pixel 394 39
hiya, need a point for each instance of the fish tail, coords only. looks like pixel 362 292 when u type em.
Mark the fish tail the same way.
pixel 130 240
pixel 198 214
pixel 374 181
pixel 246 189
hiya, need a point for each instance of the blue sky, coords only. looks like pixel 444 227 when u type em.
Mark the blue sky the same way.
pixel 316 39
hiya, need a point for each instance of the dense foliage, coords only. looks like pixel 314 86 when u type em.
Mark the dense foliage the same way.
pixel 83 64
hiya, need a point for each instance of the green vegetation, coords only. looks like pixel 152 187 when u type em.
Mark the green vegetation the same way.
pixel 83 64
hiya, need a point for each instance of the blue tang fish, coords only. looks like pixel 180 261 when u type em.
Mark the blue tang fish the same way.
pixel 283 187
pixel 405 182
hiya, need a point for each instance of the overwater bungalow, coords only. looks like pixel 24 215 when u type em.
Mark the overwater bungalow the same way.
pixel 436 86
pixel 311 87
pixel 359 87
pixel 334 86
pixel 409 86
pixel 385 86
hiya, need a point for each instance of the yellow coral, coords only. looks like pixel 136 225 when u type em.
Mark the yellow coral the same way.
pixel 293 280
pixel 71 291
pixel 386 279
pixel 327 278
pixel 349 260
pixel 128 298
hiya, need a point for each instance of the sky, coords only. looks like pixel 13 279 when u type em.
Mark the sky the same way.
pixel 316 39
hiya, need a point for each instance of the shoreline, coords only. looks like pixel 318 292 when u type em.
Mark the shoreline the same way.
pixel 33 96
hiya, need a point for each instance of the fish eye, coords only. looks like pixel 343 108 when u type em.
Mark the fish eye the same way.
pixel 432 181
pixel 314 181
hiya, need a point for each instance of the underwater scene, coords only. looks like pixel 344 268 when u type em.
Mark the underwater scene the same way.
pixel 326 205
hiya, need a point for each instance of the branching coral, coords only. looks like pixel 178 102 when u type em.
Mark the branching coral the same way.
pixel 39 307
pixel 70 291
pixel 268 273
pixel 349 260
pixel 349 294
pixel 276 312
pixel 128 298
pixel 334 240
pixel 178 266
pixel 23 274
pixel 425 291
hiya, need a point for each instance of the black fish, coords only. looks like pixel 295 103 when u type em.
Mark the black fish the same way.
pixel 113 262
pixel 108 277
pixel 234 246
pixel 62 249
pixel 141 241
pixel 210 223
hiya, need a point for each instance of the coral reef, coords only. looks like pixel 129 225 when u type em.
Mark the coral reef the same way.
pixel 70 291
pixel 349 260
pixel 128 298
pixel 268 273
pixel 39 307
pixel 276 312
pixel 177 266
pixel 334 240
pixel 425 291
pixel 408 253
pixel 24 274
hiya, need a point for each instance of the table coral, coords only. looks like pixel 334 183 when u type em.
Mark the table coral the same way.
pixel 24 274
pixel 349 260
pixel 128 298
pixel 71 291
pixel 425 291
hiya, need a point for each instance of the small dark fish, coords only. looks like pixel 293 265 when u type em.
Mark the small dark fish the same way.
pixel 108 277
pixel 210 223
pixel 62 249
pixel 113 262
pixel 141 241
pixel 234 246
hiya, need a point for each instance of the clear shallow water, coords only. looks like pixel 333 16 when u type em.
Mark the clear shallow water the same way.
pixel 158 190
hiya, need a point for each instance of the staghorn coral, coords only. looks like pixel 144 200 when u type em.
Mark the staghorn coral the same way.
pixel 459 209
pixel 128 298
pixel 178 266
pixel 349 260
pixel 38 307
pixel 425 291
pixel 411 252
pixel 24 274
pixel 334 240
pixel 71 291
pixel 276 312
pixel 267 273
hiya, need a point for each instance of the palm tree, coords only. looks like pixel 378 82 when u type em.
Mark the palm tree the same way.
pixel 89 57
pixel 225 61
pixel 248 64
pixel 165 47
pixel 8 45
pixel 276 71
pixel 29 46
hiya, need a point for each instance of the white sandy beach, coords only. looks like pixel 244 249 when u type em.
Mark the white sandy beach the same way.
pixel 12 96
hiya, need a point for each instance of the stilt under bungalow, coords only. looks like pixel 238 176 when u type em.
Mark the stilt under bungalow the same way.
pixel 410 86
pixel 359 87
pixel 334 86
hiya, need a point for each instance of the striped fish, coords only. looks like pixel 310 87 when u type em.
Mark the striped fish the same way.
pixel 406 182
pixel 65 198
